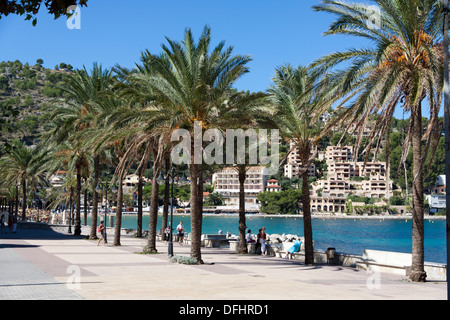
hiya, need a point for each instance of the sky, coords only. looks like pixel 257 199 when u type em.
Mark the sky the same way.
pixel 272 32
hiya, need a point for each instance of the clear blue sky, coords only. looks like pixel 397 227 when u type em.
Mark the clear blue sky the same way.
pixel 116 32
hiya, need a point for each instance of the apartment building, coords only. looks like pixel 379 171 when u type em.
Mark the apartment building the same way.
pixel 346 177
pixel 226 183
pixel 57 179
pixel 294 165
pixel 130 183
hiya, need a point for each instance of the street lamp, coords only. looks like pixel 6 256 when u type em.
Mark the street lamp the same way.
pixel 162 179
pixel 70 212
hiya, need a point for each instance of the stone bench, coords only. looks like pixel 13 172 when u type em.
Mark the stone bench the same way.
pixel 234 244
pixel 214 240
pixel 385 261
pixel 282 248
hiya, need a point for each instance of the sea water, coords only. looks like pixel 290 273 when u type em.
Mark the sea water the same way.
pixel 351 236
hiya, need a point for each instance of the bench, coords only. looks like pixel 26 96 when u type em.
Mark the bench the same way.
pixel 214 240
pixel 283 247
pixel 385 261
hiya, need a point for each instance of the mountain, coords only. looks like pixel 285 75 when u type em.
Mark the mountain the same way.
pixel 24 91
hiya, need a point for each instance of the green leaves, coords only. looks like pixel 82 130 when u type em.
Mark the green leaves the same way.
pixel 283 202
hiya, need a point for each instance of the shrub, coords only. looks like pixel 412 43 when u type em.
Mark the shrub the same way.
pixel 183 260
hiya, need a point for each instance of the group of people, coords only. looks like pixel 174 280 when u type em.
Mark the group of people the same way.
pixel 261 243
pixel 180 230
pixel 260 240
pixel 12 223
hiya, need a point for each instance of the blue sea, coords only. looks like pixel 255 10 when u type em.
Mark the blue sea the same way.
pixel 350 236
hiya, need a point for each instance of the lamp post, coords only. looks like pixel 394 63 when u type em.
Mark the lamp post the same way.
pixel 70 212
pixel 161 179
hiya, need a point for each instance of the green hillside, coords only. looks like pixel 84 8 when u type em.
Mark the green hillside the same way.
pixel 24 92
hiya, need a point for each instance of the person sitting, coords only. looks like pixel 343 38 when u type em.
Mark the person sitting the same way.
pixel 295 248
pixel 249 237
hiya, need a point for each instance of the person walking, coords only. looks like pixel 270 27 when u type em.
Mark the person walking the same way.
pixel 262 240
pixel 101 230
pixel 180 229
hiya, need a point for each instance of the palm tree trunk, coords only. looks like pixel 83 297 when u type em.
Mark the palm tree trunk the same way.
pixel 94 215
pixel 118 225
pixel 196 212
pixel 306 206
pixel 17 201
pixel 165 216
pixel 77 229
pixel 242 249
pixel 139 212
pixel 85 202
pixel 418 273
pixel 24 199
pixel 153 216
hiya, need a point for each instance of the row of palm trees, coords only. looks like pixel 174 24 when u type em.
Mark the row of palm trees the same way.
pixel 124 118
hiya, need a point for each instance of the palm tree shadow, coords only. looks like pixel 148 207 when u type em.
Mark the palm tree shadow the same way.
pixel 16 246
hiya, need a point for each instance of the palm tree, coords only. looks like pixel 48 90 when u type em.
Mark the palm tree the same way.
pixel 83 91
pixel 403 67
pixel 295 101
pixel 245 110
pixel 23 165
pixel 189 83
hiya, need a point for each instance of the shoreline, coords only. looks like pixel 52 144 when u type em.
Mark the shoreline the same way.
pixel 314 216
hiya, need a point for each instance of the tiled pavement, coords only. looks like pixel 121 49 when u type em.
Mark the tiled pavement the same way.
pixel 48 265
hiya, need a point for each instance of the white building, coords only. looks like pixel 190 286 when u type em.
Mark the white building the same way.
pixel 436 202
pixel 346 177
pixel 57 179
pixel 226 183
pixel 294 165
pixel 130 183
pixel 272 186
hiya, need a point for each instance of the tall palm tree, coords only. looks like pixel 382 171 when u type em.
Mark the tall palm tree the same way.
pixel 295 101
pixel 245 111
pixel 23 165
pixel 402 67
pixel 83 91
pixel 190 83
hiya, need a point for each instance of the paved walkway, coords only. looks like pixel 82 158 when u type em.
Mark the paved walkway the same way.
pixel 48 265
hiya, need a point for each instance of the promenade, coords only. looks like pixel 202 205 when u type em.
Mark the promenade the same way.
pixel 44 265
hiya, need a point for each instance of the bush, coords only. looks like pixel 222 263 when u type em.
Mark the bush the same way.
pixel 183 260
pixel 397 201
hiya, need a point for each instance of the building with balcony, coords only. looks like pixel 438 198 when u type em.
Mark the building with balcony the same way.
pixel 346 177
pixel 293 167
pixel 226 183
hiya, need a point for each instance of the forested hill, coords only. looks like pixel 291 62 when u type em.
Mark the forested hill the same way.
pixel 24 90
